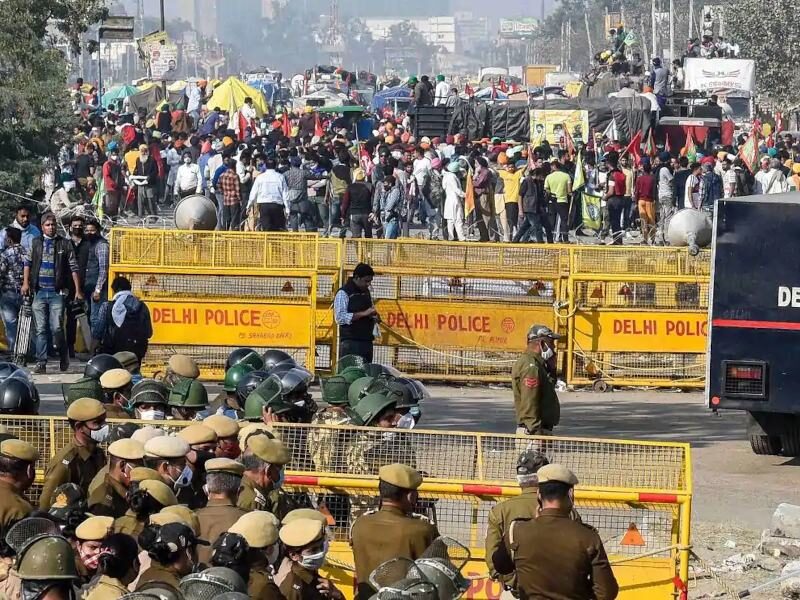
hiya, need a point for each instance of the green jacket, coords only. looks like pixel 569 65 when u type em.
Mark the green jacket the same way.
pixel 535 400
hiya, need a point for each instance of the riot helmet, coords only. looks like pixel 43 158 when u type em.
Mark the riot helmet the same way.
pixel 294 391
pixel 99 364
pixel 187 397
pixel 17 397
pixel 353 373
pixel 273 357
pixel 335 390
pixel 234 374
pixel 246 356
pixel 364 386
pixel 248 383
pixel 378 369
pixel 268 394
pixel 212 582
pixel 372 406
pixel 349 360
pixel 47 558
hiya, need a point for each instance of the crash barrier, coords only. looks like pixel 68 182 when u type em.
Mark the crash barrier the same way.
pixel 210 292
pixel 450 311
pixel 636 494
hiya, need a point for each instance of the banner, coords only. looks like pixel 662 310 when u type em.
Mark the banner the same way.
pixel 717 74
pixel 592 212
pixel 164 62
pixel 550 124
pixel 640 331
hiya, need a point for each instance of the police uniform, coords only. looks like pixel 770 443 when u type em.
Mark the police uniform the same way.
pixel 193 495
pixel 254 497
pixel 182 366
pixel 109 497
pixel 158 575
pixel 535 400
pixel 116 381
pixel 218 515
pixel 389 532
pixel 301 583
pixel 107 588
pixel 73 463
pixel 555 556
pixel 133 524
pixel 260 531
pixel 93 529
pixel 13 506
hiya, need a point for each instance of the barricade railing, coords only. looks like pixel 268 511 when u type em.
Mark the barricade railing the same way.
pixel 636 494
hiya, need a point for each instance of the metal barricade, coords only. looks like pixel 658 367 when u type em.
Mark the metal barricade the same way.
pixel 329 280
pixel 625 487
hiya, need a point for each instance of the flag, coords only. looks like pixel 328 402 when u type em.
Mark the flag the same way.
pixel 531 158
pixel 749 151
pixel 503 86
pixel 650 145
pixel 366 160
pixel 97 199
pixel 469 195
pixel 591 212
pixel 494 91
pixel 318 130
pixel 580 177
pixel 569 143
pixel 690 149
pixel 243 124
pixel 634 148
pixel 287 124
pixel 778 122
pixel 667 145
pixel 514 88
pixel 468 90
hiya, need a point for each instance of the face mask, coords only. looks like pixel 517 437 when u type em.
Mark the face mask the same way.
pixel 99 435
pixel 203 456
pixel 151 415
pixel 406 422
pixel 114 157
pixel 314 562
pixel 547 352
pixel 187 161
pixel 184 479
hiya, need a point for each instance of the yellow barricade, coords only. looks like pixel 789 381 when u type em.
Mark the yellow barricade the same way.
pixel 623 485
pixel 210 292
pixel 329 280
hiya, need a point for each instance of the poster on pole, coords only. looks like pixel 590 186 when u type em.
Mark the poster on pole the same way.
pixel 164 62
pixel 550 125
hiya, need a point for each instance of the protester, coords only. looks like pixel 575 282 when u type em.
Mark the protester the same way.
pixel 123 324
pixel 12 275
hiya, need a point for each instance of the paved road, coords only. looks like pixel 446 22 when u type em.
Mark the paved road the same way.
pixel 732 485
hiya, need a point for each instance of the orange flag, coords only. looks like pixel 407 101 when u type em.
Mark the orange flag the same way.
pixel 469 197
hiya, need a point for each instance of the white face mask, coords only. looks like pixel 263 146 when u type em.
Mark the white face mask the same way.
pixel 184 479
pixel 406 422
pixel 547 352
pixel 313 562
pixel 151 415
pixel 100 435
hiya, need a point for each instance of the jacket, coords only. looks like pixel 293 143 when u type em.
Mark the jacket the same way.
pixel 148 169
pixel 532 194
pixel 64 262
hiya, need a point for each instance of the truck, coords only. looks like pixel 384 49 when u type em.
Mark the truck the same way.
pixel 754 318
pixel 534 75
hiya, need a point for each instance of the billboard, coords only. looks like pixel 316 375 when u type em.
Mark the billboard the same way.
pixel 518 28
pixel 550 124
pixel 717 74
pixel 164 62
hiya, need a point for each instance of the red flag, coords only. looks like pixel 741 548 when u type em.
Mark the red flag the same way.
pixel 634 148
pixel 650 145
pixel 569 143
pixel 514 88
pixel 243 124
pixel 503 86
pixel 468 90
pixel 366 160
pixel 749 151
pixel 287 124
pixel 318 131
pixel 667 145
pixel 494 91
pixel 778 122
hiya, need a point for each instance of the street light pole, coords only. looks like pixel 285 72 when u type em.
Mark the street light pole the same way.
pixel 163 28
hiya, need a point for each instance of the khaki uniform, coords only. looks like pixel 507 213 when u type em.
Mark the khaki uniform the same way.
pixel 108 499
pixel 557 557
pixel 535 399
pixel 13 507
pixel 71 464
pixel 216 518
pixel 107 588
pixel 261 584
pixel 324 445
pixel 98 480
pixel 193 496
pixel 130 524
pixel 252 497
pixel 221 401
pixel 159 575
pixel 115 411
pixel 301 584
pixel 384 534
pixel 10 582
pixel 524 506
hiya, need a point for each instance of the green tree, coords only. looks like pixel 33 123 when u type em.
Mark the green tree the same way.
pixel 35 111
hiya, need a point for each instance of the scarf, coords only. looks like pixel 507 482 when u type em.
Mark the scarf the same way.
pixel 118 311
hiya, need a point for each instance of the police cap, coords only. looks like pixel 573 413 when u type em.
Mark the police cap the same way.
pixel 541 331
pixel 269 450
pixel 560 473
pixel 186 514
pixel 301 532
pixel 115 379
pixel 94 529
pixel 127 449
pixel 159 491
pixel 85 409
pixel 305 513
pixel 140 474
pixel 223 426
pixel 224 465
pixel 19 449
pixel 162 518
pixel 197 433
pixel 259 528
pixel 147 433
pixel 183 365
pixel 251 429
pixel 401 476
pixel 166 446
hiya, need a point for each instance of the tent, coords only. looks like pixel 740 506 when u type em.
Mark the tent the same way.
pixel 118 93
pixel 152 97
pixel 230 96
pixel 389 95
pixel 177 86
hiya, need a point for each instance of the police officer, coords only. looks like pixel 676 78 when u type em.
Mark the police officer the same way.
pixel 166 455
pixel 202 442
pixel 82 458
pixel 324 444
pixel 264 460
pixel 393 531
pixel 116 384
pixel 89 537
pixel 17 473
pixel 118 566
pixel 110 496
pixel 554 555
pixel 355 314
pixel 532 380
pixel 524 506
pixel 227 431
pixel 223 480
pixel 129 362
pixel 306 548
pixel 174 555
pixel 145 499
pixel 227 402
pixel 180 365
pixel 260 531
pixel 149 400
pixel 187 398
pixel 47 568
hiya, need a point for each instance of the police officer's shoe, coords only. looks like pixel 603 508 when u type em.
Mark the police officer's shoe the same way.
pixel 40 368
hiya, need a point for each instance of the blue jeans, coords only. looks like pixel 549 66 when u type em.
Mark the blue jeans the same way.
pixel 334 216
pixel 48 307
pixel 93 307
pixel 9 306
pixel 391 229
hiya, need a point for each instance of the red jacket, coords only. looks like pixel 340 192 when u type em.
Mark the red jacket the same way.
pixel 112 176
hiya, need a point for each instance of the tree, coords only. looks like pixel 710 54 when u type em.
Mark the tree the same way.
pixel 409 48
pixel 35 111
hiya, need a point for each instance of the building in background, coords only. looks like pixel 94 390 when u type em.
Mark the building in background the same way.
pixel 437 31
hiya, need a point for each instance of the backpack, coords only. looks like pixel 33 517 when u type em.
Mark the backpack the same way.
pixel 132 336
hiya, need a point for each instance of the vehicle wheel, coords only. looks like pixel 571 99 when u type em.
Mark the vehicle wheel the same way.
pixel 601 385
pixel 765 444
pixel 790 440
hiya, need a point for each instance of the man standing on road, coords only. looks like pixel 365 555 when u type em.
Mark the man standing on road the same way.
pixel 535 400
pixel 271 194
pixel 12 269
pixel 355 314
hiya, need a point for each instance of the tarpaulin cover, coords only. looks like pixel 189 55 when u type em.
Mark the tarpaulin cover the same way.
pixel 382 98
pixel 631 114
pixel 510 121
pixel 230 96
pixel 118 93
pixel 151 98
pixel 470 119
